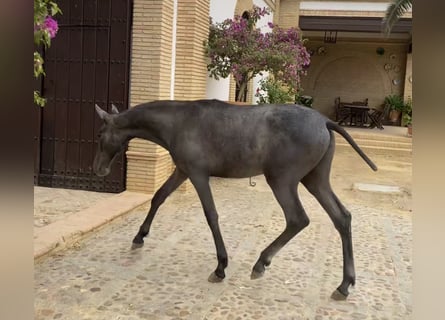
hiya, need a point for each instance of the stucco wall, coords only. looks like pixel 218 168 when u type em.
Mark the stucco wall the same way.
pixel 219 11
pixel 354 71
pixel 262 24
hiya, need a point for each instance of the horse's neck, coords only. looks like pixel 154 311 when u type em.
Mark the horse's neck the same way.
pixel 151 124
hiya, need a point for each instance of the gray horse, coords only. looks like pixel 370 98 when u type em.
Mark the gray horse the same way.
pixel 286 143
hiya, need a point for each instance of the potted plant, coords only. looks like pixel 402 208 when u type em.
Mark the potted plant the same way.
pixel 408 116
pixel 396 106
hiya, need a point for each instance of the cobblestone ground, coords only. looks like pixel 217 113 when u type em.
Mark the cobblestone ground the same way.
pixel 167 279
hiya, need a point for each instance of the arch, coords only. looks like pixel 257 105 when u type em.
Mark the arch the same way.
pixel 349 77
pixel 362 60
pixel 242 6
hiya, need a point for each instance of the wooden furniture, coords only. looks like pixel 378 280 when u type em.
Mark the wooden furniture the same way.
pixel 340 112
pixel 356 115
pixel 351 113
pixel 377 117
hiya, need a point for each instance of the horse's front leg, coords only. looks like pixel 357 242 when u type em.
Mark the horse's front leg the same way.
pixel 201 184
pixel 172 183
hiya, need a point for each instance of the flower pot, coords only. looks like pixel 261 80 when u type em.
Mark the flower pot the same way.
pixel 394 115
pixel 410 130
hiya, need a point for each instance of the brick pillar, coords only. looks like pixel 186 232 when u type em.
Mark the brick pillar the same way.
pixel 192 29
pixel 288 14
pixel 408 90
pixel 148 165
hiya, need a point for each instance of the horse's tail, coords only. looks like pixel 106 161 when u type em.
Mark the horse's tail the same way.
pixel 337 128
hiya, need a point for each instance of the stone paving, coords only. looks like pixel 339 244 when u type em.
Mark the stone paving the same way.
pixel 51 205
pixel 167 279
pixel 74 214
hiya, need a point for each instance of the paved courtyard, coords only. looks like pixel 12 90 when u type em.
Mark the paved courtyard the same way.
pixel 51 205
pixel 101 278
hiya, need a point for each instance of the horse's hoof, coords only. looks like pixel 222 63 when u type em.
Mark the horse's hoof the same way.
pixel 213 278
pixel 338 296
pixel 135 245
pixel 256 275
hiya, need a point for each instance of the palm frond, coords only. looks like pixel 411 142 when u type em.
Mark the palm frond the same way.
pixel 394 12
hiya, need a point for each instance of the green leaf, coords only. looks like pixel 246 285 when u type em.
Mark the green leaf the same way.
pixel 394 12
pixel 38 99
pixel 55 9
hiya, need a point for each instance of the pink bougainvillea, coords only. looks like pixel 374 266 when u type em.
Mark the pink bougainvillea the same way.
pixel 236 46
pixel 51 26
pixel 45 29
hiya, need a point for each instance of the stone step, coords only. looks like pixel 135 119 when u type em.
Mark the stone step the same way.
pixel 379 143
pixel 376 149
pixel 379 136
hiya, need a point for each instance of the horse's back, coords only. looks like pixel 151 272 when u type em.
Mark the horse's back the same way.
pixel 241 141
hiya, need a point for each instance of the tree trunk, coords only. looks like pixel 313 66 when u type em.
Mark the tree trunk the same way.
pixel 242 87
pixel 241 92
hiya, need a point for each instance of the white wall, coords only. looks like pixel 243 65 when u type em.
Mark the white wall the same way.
pixel 218 89
pixel 262 24
pixel 219 11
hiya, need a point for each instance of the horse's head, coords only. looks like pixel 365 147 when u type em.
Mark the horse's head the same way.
pixel 111 142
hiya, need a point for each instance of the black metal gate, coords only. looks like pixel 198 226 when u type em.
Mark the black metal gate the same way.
pixel 88 62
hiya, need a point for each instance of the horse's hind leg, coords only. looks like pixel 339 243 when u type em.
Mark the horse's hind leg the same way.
pixel 172 183
pixel 285 191
pixel 317 182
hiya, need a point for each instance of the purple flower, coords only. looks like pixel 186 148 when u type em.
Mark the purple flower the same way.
pixel 270 24
pixel 51 26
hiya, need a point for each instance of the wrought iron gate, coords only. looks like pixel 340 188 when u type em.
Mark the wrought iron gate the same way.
pixel 88 62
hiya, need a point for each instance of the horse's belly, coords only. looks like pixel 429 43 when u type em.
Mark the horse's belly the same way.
pixel 234 169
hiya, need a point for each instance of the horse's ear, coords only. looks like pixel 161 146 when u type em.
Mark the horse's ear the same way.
pixel 114 109
pixel 102 114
